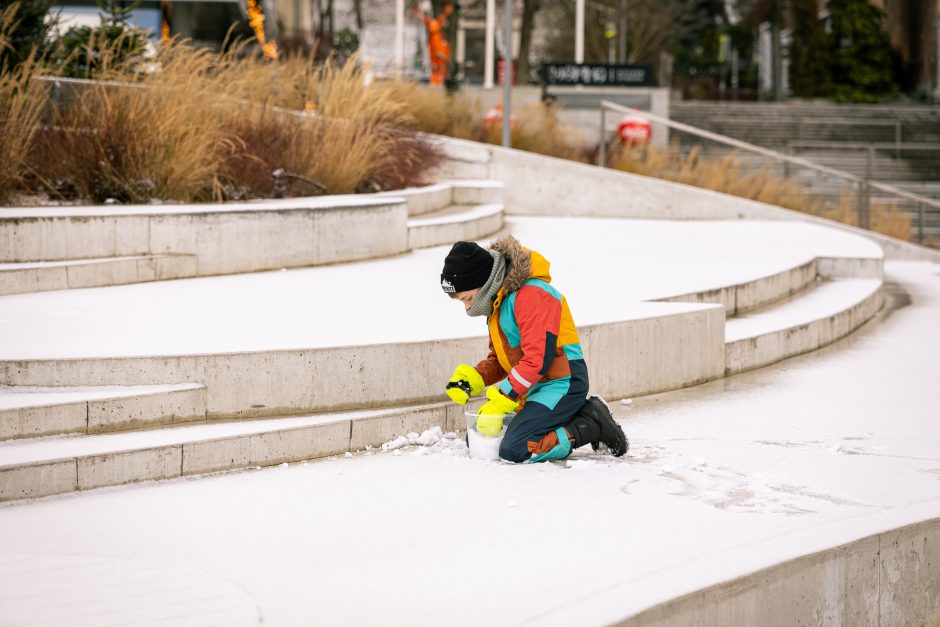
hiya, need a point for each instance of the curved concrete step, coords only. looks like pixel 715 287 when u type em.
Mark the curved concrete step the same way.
pixel 760 293
pixel 226 238
pixel 27 411
pixel 439 196
pixel 684 343
pixel 42 276
pixel 47 466
pixel 48 248
pixel 458 222
pixel 804 323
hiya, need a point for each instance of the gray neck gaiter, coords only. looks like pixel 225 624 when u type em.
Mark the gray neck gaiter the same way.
pixel 483 303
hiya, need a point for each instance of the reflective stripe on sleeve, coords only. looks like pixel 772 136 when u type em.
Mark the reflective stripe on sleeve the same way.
pixel 515 373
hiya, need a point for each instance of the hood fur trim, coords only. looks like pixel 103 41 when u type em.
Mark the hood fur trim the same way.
pixel 519 260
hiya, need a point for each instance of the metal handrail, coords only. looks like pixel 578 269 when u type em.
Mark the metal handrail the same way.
pixel 868 123
pixel 816 143
pixel 864 184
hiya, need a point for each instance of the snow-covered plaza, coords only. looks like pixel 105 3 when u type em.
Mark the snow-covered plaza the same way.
pixel 781 404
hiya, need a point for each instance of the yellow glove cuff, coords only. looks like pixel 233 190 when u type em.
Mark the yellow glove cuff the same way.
pixel 498 403
pixel 457 395
pixel 471 376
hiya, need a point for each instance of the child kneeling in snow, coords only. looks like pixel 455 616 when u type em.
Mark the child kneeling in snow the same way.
pixel 535 365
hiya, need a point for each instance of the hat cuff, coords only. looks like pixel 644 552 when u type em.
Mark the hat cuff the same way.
pixel 451 283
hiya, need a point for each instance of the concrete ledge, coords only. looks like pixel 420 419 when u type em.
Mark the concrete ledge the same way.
pixel 888 579
pixel 422 200
pixel 266 449
pixel 373 431
pixel 225 238
pixel 743 297
pixel 462 223
pixel 31 422
pixel 126 467
pixel 146 410
pixel 186 451
pixel 228 243
pixel 799 337
pixel 431 198
pixel 845 268
pixel 101 413
pixel 41 277
pixel 30 481
pixel 480 192
pixel 655 354
pixel 663 345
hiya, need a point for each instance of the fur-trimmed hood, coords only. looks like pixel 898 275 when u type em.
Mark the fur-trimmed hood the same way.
pixel 524 264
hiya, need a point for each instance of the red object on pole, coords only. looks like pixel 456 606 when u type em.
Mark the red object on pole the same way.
pixel 494 118
pixel 634 129
pixel 499 71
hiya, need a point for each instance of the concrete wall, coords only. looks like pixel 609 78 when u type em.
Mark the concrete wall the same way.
pixel 673 346
pixel 231 238
pixel 888 579
pixel 540 185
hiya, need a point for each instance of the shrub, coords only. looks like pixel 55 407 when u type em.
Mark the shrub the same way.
pixel 25 31
pixel 111 49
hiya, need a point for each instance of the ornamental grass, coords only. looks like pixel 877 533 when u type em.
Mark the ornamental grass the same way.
pixel 200 126
pixel 22 103
pixel 725 174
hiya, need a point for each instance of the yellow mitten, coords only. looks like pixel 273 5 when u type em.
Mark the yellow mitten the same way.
pixel 465 383
pixel 498 404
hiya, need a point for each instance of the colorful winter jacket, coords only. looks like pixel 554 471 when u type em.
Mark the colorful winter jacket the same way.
pixel 532 335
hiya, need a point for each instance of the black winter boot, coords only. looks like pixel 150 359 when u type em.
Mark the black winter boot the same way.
pixel 594 425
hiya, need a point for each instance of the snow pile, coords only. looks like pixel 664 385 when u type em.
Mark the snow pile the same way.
pixel 430 438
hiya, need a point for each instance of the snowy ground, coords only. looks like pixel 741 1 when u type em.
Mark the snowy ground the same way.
pixel 399 299
pixel 722 479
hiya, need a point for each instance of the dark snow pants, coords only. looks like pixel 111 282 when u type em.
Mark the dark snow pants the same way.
pixel 537 433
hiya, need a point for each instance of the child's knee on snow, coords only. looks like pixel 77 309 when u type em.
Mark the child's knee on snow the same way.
pixel 512 453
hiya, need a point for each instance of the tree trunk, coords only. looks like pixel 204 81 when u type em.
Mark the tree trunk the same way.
pixel 529 8
pixel 329 9
pixel 357 4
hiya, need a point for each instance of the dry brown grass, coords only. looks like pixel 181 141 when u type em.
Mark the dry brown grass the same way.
pixel 205 126
pixel 134 144
pixel 885 219
pixel 723 174
pixel 22 103
pixel 536 129
pixel 435 111
pixel 726 175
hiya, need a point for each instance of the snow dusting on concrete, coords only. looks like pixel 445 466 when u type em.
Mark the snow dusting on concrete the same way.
pixel 721 479
pixel 399 299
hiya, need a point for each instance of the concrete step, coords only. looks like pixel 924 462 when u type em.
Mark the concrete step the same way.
pixel 47 466
pixel 49 248
pixel 457 222
pixel 742 298
pixel 30 411
pixel 809 320
pixel 42 276
pixel 226 238
pixel 439 196
pixel 685 342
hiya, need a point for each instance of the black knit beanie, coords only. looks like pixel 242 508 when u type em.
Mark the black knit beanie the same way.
pixel 466 267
